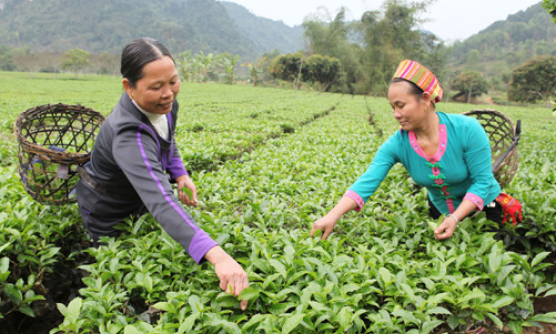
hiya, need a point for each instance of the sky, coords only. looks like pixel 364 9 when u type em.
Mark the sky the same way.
pixel 450 20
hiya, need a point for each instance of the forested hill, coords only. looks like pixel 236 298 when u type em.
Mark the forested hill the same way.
pixel 266 34
pixel 105 25
pixel 521 36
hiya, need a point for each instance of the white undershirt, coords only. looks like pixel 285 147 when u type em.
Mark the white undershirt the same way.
pixel 159 121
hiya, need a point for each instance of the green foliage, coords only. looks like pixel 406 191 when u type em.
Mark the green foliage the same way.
pixel 506 44
pixel 369 50
pixel 229 63
pixel 254 69
pixel 287 67
pixel 265 34
pixel 550 7
pixel 322 69
pixel 381 271
pixel 291 67
pixel 470 84
pixel 6 63
pixel 534 80
pixel 29 235
pixel 195 25
pixel 75 60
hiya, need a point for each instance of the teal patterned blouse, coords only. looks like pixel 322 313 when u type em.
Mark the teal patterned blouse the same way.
pixel 460 169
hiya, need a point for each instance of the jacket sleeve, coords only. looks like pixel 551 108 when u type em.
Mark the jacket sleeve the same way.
pixel 136 153
pixel 365 186
pixel 484 187
pixel 175 167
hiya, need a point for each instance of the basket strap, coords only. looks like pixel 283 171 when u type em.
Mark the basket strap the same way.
pixel 91 183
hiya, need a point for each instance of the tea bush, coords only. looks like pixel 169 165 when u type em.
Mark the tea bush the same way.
pixel 260 190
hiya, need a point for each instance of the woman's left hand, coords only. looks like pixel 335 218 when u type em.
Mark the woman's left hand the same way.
pixel 185 181
pixel 446 229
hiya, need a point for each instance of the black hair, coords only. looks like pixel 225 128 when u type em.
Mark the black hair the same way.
pixel 415 90
pixel 139 53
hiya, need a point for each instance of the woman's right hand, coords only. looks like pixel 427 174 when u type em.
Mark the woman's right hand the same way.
pixel 325 224
pixel 233 279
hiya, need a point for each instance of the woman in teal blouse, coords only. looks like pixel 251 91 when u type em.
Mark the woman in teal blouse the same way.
pixel 446 153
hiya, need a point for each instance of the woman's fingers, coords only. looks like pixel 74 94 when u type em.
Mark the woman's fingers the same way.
pixel 325 225
pixel 326 233
pixel 444 231
pixel 233 279
pixel 194 200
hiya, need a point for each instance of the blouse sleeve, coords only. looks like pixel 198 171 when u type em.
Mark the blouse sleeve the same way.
pixel 365 186
pixel 484 187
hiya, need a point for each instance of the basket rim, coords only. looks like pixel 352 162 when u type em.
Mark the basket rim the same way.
pixel 505 172
pixel 490 111
pixel 45 153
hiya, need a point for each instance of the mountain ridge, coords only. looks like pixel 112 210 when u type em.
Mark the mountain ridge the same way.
pixel 103 25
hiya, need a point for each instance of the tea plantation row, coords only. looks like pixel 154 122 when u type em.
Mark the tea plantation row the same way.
pixel 267 163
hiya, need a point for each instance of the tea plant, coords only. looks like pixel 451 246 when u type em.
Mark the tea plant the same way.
pixel 260 189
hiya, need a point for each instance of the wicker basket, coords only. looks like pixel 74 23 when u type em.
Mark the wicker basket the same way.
pixel 53 141
pixel 504 137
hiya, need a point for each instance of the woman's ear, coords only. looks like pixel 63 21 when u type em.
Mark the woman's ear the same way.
pixel 128 88
pixel 427 99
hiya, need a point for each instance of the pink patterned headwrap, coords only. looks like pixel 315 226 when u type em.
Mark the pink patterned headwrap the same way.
pixel 421 76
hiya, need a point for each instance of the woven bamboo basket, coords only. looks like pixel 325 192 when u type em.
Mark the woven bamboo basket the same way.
pixel 53 141
pixel 504 137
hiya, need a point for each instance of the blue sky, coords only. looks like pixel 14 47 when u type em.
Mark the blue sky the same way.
pixel 448 19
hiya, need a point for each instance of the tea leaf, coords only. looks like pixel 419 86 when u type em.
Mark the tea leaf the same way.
pixel 406 316
pixel 539 257
pixel 291 323
pixel 430 325
pixel 250 293
pixel 496 320
pixel 163 306
pixel 503 301
pixel 438 310
pixel 130 329
pixel 547 317
pixel 344 318
pixel 188 192
pixel 504 273
pixel 278 266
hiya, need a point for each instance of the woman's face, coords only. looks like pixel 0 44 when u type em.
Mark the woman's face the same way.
pixel 408 108
pixel 157 90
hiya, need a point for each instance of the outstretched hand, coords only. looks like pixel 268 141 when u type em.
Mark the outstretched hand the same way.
pixel 233 279
pixel 184 182
pixel 325 224
pixel 446 229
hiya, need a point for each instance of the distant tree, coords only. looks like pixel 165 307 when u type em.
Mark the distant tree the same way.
pixel 388 39
pixel 287 67
pixel 254 70
pixel 550 7
pixel 187 65
pixel 229 61
pixel 535 80
pixel 322 69
pixel 205 64
pixel 473 58
pixel 471 84
pixel 6 63
pixel 335 39
pixel 109 63
pixel 75 59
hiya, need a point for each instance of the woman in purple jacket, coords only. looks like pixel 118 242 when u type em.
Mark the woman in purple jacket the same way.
pixel 135 159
